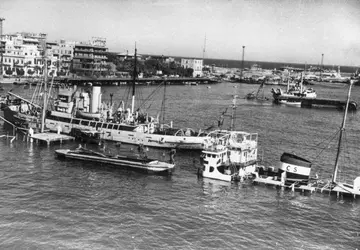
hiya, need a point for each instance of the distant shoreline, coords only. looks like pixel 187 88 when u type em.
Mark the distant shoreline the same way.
pixel 229 63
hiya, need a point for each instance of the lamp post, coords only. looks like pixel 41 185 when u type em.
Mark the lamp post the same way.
pixel 242 63
pixel 321 67
pixel 1 48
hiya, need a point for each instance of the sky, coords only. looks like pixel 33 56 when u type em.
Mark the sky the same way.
pixel 297 31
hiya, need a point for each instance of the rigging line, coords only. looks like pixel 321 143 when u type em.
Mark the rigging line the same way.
pixel 323 141
pixel 316 157
pixel 150 96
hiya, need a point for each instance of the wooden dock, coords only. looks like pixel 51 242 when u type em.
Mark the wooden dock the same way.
pixel 310 102
pixel 51 137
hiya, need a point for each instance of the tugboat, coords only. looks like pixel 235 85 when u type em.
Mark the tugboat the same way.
pixel 229 155
pixel 293 95
pixel 141 162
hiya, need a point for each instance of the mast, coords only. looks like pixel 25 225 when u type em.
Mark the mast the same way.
pixel 288 84
pixel 45 90
pixel 341 134
pixel 204 49
pixel 233 113
pixel 1 48
pixel 301 84
pixel 134 81
pixel 242 62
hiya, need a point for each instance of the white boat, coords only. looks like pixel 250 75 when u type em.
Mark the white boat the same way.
pixel 84 110
pixel 128 162
pixel 293 95
pixel 125 125
pixel 229 155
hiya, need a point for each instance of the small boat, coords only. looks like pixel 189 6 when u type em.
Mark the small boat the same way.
pixel 87 115
pixel 229 155
pixel 141 162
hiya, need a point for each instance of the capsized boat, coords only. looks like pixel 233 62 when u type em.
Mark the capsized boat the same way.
pixel 128 162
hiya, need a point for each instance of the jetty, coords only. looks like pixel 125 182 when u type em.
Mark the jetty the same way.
pixel 324 102
pixel 51 137
pixel 103 81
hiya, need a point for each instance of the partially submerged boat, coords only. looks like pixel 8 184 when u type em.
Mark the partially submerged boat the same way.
pixel 292 94
pixel 229 156
pixel 293 172
pixel 140 162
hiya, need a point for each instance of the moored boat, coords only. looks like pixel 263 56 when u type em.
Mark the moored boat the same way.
pixel 141 163
pixel 296 92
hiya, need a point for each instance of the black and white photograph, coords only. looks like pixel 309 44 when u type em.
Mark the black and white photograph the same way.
pixel 178 124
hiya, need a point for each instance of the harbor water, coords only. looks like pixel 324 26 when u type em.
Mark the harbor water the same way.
pixel 46 203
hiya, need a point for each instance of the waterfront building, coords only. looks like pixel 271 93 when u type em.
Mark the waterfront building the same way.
pixel 123 56
pixel 90 57
pixel 195 64
pixel 61 54
pixel 22 53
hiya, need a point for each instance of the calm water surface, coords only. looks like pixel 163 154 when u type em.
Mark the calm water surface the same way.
pixel 46 203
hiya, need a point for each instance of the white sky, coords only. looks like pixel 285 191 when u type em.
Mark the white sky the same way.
pixel 272 30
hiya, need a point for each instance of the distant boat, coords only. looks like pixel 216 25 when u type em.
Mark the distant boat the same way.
pixel 297 92
pixel 128 162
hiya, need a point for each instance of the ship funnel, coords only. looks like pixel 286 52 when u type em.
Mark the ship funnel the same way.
pixel 296 168
pixel 95 99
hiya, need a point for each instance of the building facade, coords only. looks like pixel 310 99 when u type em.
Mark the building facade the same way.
pixel 195 64
pixel 90 57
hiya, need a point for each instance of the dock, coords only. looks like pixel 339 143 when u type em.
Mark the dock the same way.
pixel 51 137
pixel 102 81
pixel 310 102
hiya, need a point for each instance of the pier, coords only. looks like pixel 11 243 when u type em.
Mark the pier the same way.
pixel 310 102
pixel 141 81
pixel 51 137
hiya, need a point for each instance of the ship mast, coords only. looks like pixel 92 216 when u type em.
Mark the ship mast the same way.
pixel 341 134
pixel 134 81
pixel 204 49
pixel 233 113
pixel 45 90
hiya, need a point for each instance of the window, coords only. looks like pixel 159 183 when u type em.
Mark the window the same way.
pixel 85 123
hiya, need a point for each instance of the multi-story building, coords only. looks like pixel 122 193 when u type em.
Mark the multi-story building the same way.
pixel 90 57
pixel 23 54
pixel 195 64
pixel 60 54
